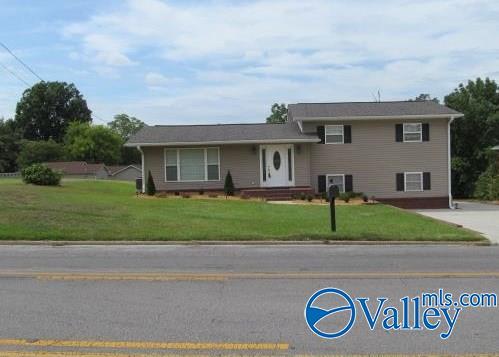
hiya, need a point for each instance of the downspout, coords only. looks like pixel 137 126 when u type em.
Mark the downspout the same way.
pixel 451 204
pixel 142 160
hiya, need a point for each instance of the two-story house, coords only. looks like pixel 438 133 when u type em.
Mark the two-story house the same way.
pixel 398 152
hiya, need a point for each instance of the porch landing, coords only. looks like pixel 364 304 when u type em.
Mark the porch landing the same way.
pixel 277 193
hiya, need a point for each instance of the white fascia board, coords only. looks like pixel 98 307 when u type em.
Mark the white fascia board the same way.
pixel 379 117
pixel 205 143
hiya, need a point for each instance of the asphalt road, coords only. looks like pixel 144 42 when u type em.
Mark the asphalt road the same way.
pixel 231 300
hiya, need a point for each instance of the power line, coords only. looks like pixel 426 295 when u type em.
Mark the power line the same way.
pixel 14 74
pixel 98 118
pixel 20 61
pixel 33 72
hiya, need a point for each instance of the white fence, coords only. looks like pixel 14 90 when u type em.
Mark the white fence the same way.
pixel 9 174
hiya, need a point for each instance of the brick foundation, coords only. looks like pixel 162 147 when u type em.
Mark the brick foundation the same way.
pixel 417 202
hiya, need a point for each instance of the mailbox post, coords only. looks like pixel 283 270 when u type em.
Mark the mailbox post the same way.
pixel 333 192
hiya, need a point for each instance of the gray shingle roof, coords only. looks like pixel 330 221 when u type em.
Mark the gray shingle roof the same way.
pixel 185 134
pixel 368 109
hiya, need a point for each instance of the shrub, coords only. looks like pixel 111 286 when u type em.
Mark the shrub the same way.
pixel 39 174
pixel 150 187
pixel 487 187
pixel 345 196
pixel 177 193
pixel 303 196
pixel 310 198
pixel 201 192
pixel 357 194
pixel 186 195
pixel 365 198
pixel 229 185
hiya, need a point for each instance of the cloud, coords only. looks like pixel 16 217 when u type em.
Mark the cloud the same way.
pixel 233 59
pixel 157 80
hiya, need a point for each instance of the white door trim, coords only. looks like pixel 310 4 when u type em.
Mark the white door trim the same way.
pixel 284 164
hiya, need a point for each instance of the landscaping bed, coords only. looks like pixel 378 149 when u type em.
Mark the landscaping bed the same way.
pixel 110 210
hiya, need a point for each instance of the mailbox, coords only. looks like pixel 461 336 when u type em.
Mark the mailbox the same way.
pixel 334 192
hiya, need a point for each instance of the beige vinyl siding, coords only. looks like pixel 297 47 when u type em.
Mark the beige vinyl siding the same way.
pixel 241 160
pixel 302 164
pixel 374 158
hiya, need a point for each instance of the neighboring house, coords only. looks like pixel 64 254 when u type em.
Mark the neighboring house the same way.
pixel 79 169
pixel 124 173
pixel 398 152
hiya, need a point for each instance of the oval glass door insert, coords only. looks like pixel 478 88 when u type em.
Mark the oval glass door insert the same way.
pixel 277 160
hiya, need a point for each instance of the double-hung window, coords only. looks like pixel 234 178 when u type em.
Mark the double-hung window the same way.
pixel 171 163
pixel 192 164
pixel 338 180
pixel 413 132
pixel 212 164
pixel 413 181
pixel 334 134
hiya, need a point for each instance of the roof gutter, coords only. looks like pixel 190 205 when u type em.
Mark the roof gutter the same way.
pixel 221 142
pixel 143 175
pixel 380 117
pixel 449 168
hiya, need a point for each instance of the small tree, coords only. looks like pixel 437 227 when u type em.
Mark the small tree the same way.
pixel 150 187
pixel 93 143
pixel 229 185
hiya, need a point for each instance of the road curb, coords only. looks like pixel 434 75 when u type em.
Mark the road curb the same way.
pixel 248 243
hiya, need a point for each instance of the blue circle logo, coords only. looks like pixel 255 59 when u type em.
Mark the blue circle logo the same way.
pixel 314 314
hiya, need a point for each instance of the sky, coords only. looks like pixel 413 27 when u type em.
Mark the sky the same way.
pixel 195 62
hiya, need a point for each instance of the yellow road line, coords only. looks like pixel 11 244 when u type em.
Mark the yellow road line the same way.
pixel 127 277
pixel 174 276
pixel 97 354
pixel 146 345
pixel 256 275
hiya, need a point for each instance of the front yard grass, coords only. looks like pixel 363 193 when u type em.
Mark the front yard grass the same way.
pixel 107 210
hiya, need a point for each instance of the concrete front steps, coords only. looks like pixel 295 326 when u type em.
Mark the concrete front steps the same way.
pixel 277 193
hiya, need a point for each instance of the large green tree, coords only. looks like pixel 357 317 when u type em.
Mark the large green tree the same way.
pixel 92 143
pixel 46 110
pixel 125 126
pixel 279 114
pixel 472 134
pixel 9 146
pixel 35 152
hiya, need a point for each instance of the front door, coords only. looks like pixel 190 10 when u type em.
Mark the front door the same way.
pixel 276 165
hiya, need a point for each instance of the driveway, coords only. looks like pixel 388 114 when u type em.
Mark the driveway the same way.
pixel 480 217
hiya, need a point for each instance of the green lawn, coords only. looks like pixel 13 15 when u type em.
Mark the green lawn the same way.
pixel 106 210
